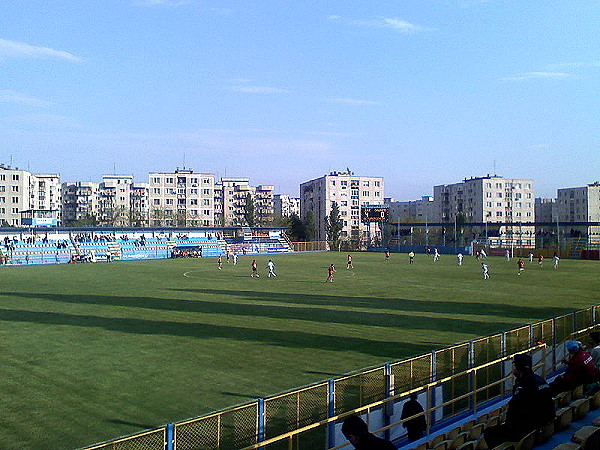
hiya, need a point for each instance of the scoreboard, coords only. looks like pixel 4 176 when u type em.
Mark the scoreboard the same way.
pixel 376 213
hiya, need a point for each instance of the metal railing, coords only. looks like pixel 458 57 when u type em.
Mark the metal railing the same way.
pixel 452 381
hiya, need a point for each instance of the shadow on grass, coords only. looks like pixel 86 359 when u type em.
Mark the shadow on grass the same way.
pixel 237 394
pixel 291 339
pixel 143 426
pixel 297 312
pixel 401 304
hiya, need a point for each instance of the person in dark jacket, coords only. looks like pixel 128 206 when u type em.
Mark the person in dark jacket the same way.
pixel 530 407
pixel 415 427
pixel 580 369
pixel 356 431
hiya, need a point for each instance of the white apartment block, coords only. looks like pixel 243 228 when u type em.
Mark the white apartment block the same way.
pixel 545 210
pixel 420 210
pixel 114 194
pixel 79 199
pixel 181 199
pixel 580 204
pixel 16 192
pixel 230 202
pixel 350 192
pixel 47 193
pixel 23 193
pixel 139 204
pixel 285 206
pixel 490 199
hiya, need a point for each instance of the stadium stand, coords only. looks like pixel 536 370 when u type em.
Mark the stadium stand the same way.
pixel 76 247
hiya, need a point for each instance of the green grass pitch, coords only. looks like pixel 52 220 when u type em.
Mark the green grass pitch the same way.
pixel 90 352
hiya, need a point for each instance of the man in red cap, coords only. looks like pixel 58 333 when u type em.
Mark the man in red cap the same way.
pixel 580 369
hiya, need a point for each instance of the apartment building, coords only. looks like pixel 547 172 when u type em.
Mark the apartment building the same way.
pixel 580 204
pixel 79 200
pixel 139 204
pixel 16 190
pixel 47 193
pixel 415 210
pixel 181 198
pixel 489 200
pixel 26 195
pixel 230 202
pixel 350 192
pixel 114 193
pixel 285 206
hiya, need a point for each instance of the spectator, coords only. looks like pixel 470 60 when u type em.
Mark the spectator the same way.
pixel 580 369
pixel 356 431
pixel 595 348
pixel 530 407
pixel 415 427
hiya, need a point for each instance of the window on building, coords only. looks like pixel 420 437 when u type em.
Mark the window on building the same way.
pixel 14 188
pixel 15 199
pixel 169 201
pixel 156 201
pixel 206 202
pixel 205 191
pixel 366 183
pixel 193 201
pixel 156 180
pixel 498 213
pixel 344 203
pixel 15 210
pixel 15 177
pixel 344 183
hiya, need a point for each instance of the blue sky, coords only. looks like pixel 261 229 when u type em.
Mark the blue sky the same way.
pixel 420 92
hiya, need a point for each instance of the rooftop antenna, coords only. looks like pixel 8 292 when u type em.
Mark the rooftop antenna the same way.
pixel 114 168
pixel 495 174
pixel 183 160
